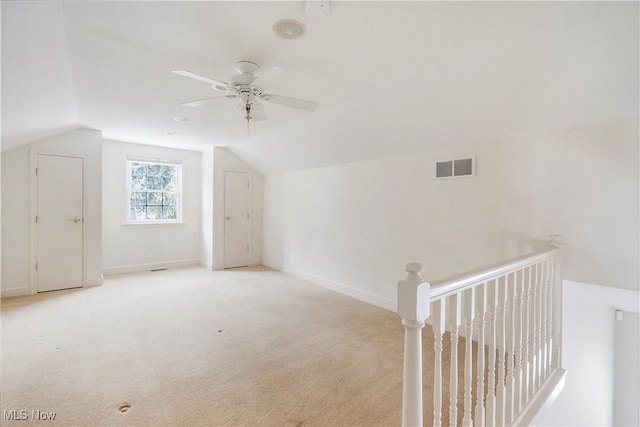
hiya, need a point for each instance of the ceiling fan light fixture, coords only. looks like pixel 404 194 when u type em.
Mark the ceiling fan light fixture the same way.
pixel 289 29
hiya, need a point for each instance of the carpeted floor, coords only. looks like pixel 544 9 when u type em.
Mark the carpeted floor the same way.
pixel 191 347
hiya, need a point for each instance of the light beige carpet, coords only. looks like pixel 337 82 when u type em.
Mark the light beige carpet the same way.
pixel 191 347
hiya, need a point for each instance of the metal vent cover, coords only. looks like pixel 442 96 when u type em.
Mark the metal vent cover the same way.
pixel 460 167
pixel 444 169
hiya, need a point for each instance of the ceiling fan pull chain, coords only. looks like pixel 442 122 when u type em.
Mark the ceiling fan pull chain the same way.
pixel 248 117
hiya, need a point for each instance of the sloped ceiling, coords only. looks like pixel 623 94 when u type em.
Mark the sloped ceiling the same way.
pixel 38 93
pixel 390 77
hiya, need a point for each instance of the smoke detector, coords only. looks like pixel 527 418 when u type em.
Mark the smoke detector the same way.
pixel 289 29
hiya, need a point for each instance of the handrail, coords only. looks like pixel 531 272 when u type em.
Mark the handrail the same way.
pixel 460 282
pixel 513 308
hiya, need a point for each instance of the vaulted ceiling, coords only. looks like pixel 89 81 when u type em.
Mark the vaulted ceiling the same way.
pixel 390 77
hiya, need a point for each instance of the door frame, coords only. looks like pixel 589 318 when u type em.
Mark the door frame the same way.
pixel 250 208
pixel 33 211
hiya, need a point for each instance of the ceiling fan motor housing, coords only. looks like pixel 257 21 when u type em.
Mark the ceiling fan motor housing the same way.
pixel 249 93
pixel 247 72
pixel 247 67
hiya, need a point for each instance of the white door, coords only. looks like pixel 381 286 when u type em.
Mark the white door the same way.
pixel 236 219
pixel 59 222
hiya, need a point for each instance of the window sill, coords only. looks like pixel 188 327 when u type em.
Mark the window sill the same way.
pixel 153 222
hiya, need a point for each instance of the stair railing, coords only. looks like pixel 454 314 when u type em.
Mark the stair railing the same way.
pixel 509 317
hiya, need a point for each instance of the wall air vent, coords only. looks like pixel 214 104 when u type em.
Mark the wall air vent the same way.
pixel 452 168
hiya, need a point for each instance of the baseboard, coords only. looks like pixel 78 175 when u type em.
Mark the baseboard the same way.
pixel 207 265
pixel 92 285
pixel 152 266
pixel 547 394
pixel 20 292
pixel 339 287
pixel 16 292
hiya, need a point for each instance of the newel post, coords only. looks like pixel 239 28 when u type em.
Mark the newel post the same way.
pixel 413 307
pixel 556 332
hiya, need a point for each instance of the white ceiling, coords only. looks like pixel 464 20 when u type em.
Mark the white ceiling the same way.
pixel 390 77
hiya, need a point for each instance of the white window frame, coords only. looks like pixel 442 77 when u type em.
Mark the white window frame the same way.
pixel 178 192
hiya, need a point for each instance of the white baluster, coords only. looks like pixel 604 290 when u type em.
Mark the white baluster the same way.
pixel 470 308
pixel 510 282
pixel 556 338
pixel 532 331
pixel 413 307
pixel 545 319
pixel 549 314
pixel 479 415
pixel 491 392
pixel 500 389
pixel 526 331
pixel 454 316
pixel 438 318
pixel 543 298
pixel 538 337
pixel 519 325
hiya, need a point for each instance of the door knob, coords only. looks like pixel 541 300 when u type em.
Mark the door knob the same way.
pixel 228 217
pixel 75 220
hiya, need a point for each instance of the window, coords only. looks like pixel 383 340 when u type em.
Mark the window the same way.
pixel 154 191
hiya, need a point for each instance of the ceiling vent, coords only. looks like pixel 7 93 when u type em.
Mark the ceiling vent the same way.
pixel 452 168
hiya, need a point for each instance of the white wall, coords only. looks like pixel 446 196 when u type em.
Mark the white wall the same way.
pixel 598 209
pixel 626 363
pixel 588 344
pixel 139 247
pixel 354 226
pixel 0 218
pixel 224 160
pixel 206 216
pixel 626 409
pixel 16 214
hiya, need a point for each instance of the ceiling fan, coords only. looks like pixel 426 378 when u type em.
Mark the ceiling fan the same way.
pixel 248 88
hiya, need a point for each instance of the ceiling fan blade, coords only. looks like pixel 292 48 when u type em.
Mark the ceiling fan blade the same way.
pixel 287 101
pixel 199 102
pixel 215 83
pixel 274 78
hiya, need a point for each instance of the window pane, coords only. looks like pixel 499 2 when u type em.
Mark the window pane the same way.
pixel 154 198
pixel 155 169
pixel 138 168
pixel 169 183
pixel 138 198
pixel 169 212
pixel 137 213
pixel 138 182
pixel 154 212
pixel 169 178
pixel 138 176
pixel 154 182
pixel 169 199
